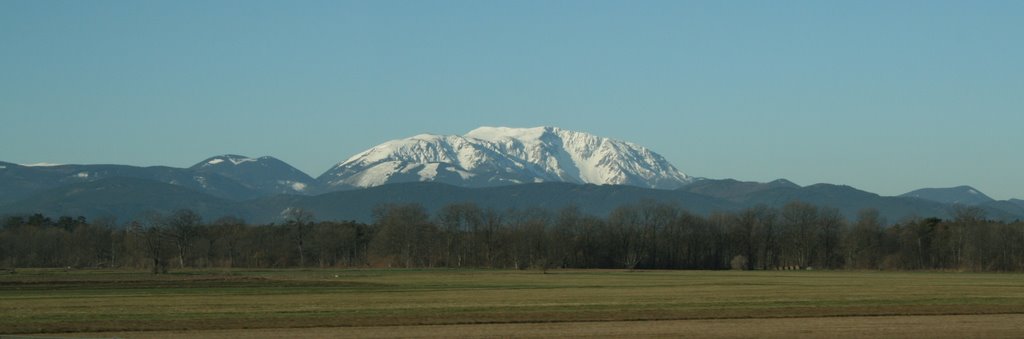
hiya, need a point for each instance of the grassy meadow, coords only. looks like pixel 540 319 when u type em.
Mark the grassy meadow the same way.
pixel 96 301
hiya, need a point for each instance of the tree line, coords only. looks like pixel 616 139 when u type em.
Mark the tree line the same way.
pixel 645 235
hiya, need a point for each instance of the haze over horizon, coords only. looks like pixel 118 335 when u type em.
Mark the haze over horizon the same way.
pixel 886 97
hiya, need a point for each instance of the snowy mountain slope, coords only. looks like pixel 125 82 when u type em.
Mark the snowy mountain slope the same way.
pixel 265 174
pixel 493 156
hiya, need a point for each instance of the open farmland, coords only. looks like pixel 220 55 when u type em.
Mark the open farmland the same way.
pixel 368 303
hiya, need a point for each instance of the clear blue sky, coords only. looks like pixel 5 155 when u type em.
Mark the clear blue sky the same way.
pixel 885 96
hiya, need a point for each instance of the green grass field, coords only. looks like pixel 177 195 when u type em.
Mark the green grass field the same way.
pixel 54 301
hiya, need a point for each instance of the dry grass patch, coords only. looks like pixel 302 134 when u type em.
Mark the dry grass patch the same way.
pixel 206 300
pixel 956 326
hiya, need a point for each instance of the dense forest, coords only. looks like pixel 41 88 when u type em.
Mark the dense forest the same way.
pixel 646 235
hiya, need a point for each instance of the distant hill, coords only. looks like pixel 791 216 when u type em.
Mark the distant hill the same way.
pixel 19 182
pixel 734 190
pixel 265 175
pixel 1004 210
pixel 128 198
pixel 850 201
pixel 964 195
pixel 591 199
pixel 123 198
pixel 230 177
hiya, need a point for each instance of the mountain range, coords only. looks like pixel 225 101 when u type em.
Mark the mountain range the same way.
pixel 495 167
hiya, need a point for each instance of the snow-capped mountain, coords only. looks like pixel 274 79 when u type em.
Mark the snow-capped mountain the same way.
pixel 265 174
pixel 493 156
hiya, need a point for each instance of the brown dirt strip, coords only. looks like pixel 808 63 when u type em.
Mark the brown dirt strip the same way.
pixel 918 326
pixel 473 318
pixel 501 319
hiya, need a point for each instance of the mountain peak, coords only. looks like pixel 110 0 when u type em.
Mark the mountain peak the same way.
pixel 225 159
pixel 265 174
pixel 498 133
pixel 489 156
pixel 965 195
pixel 783 183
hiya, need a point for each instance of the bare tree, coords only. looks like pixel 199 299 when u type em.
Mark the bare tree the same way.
pixel 964 218
pixel 227 233
pixel 626 228
pixel 183 229
pixel 459 222
pixel 830 226
pixel 404 233
pixel 299 222
pixel 488 237
pixel 751 235
pixel 864 242
pixel 152 240
pixel 800 229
